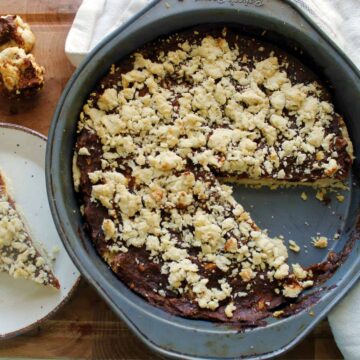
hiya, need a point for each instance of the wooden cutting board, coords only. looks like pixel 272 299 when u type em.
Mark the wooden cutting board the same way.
pixel 85 328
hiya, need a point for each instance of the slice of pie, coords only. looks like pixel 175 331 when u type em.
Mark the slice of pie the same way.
pixel 18 254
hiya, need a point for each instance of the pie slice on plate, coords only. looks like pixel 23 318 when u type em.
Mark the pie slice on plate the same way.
pixel 18 254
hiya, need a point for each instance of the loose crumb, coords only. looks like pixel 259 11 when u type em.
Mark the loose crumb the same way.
pixel 294 246
pixel 304 196
pixel 278 313
pixel 320 195
pixel 321 242
pixel 340 198
pixel 230 308
pixel 54 253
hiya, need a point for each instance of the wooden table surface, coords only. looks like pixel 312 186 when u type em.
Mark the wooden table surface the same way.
pixel 85 328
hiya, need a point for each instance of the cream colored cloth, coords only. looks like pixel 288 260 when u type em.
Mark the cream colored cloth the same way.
pixel 94 20
pixel 345 324
pixel 340 19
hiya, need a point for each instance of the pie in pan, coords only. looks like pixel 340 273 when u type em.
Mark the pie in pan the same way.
pixel 158 139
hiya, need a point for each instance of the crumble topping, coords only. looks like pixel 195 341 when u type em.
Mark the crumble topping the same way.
pixel 230 308
pixel 18 256
pixel 174 122
pixel 320 194
pixel 299 272
pixel 294 246
pixel 320 242
pixel 84 151
pixel 254 138
pixel 15 32
pixel 19 72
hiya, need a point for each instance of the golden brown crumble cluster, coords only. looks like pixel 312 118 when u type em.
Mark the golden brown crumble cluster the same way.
pixel 19 73
pixel 168 127
pixel 14 32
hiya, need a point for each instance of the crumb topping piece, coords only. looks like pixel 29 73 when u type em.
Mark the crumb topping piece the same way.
pixel 320 242
pixel 294 246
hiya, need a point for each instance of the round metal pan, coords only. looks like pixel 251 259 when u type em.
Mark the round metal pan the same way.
pixel 280 211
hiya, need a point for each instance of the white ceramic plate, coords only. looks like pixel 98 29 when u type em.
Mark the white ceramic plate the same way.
pixel 23 303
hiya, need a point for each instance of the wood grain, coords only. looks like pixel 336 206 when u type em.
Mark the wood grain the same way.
pixel 50 21
pixel 85 328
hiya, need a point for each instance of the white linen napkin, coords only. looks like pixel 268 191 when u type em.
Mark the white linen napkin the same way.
pixel 94 20
pixel 338 18
pixel 341 19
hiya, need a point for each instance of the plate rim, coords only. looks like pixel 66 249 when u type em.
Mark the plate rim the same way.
pixel 8 335
pixel 22 128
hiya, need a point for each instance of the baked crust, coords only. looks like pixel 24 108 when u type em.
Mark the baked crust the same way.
pixel 156 136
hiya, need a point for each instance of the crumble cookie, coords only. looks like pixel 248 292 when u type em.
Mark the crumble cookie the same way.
pixel 19 73
pixel 18 254
pixel 15 32
pixel 156 137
